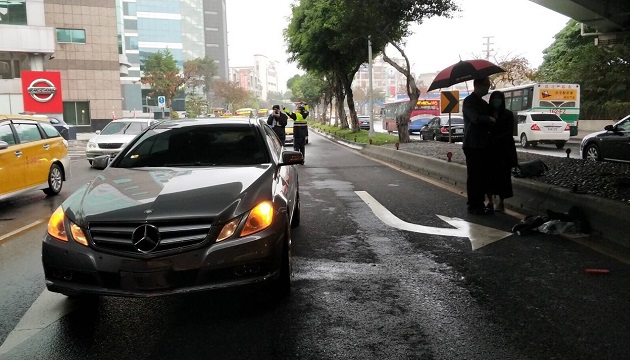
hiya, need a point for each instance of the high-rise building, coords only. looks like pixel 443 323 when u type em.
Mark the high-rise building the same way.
pixel 72 41
pixel 385 77
pixel 267 73
pixel 189 29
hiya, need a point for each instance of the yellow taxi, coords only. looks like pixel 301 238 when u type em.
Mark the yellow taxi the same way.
pixel 33 156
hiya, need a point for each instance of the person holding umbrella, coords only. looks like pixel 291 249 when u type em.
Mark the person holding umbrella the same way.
pixel 477 125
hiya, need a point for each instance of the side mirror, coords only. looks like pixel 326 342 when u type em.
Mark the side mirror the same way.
pixel 98 132
pixel 3 145
pixel 100 162
pixel 290 157
pixel 609 128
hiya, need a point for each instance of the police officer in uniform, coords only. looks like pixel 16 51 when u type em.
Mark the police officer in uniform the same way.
pixel 300 128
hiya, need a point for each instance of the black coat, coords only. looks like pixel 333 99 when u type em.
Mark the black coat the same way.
pixel 477 122
pixel 281 122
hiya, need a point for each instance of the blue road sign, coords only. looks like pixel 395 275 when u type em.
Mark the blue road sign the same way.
pixel 161 101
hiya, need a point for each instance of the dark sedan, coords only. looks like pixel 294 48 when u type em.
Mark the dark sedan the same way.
pixel 438 129
pixel 61 127
pixel 612 144
pixel 188 205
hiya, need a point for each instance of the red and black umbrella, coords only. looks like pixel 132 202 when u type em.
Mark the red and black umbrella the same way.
pixel 464 70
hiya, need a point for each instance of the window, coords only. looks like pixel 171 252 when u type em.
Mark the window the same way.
pixel 76 113
pixel 9 69
pixel 6 134
pixel 27 132
pixel 50 130
pixel 13 12
pixel 74 36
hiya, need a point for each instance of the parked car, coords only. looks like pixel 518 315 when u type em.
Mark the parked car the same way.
pixel 364 122
pixel 533 128
pixel 612 144
pixel 438 128
pixel 189 205
pixel 61 127
pixel 417 122
pixel 33 156
pixel 114 136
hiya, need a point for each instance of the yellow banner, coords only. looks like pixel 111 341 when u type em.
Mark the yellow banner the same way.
pixel 557 94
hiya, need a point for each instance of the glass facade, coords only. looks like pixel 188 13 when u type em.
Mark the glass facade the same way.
pixel 13 12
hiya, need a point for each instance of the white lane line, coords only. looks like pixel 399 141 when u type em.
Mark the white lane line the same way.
pixel 47 309
pixel 5 237
pixel 478 235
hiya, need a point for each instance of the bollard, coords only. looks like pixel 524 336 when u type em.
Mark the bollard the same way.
pixel 568 151
pixel 449 155
pixel 355 139
pixel 397 145
pixel 370 141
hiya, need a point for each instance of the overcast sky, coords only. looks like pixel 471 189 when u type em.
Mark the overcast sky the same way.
pixel 521 28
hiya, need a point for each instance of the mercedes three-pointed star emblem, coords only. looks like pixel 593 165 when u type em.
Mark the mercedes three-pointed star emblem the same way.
pixel 146 238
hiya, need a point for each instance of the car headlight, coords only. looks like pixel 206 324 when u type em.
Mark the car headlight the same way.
pixel 57 228
pixel 258 219
pixel 91 144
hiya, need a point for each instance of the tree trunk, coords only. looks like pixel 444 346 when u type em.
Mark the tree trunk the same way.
pixel 412 91
pixel 347 83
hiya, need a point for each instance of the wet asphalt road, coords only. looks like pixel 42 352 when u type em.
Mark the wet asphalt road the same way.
pixel 361 289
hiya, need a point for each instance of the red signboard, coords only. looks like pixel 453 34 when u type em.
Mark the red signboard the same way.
pixel 41 91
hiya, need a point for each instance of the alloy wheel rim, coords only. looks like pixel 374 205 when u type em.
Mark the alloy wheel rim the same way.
pixel 55 179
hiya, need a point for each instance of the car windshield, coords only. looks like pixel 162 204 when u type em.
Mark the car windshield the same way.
pixel 289 123
pixel 454 121
pixel 195 146
pixel 123 127
pixel 545 117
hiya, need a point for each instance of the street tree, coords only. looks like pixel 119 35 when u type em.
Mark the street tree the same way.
pixel 321 39
pixel 232 94
pixel 161 73
pixel 388 23
pixel 602 71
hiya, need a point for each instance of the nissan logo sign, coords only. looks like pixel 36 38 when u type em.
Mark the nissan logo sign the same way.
pixel 41 93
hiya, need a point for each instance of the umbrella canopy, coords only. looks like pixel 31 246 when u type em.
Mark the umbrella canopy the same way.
pixel 462 71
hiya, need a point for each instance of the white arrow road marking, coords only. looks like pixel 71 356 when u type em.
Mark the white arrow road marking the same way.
pixel 48 308
pixel 479 235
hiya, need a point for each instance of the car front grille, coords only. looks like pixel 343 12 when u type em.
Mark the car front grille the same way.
pixel 174 235
pixel 110 145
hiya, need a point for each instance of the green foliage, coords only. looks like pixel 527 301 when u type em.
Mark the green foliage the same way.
pixel 162 74
pixel 361 136
pixel 609 110
pixel 195 105
pixel 199 74
pixel 232 94
pixel 602 71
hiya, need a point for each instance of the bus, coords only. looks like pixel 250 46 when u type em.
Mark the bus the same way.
pixel 247 112
pixel 555 98
pixel 424 106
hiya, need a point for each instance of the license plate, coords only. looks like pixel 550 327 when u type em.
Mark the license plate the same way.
pixel 144 280
pixel 459 131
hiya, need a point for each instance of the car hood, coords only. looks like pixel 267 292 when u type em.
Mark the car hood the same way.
pixel 147 194
pixel 115 138
pixel 592 135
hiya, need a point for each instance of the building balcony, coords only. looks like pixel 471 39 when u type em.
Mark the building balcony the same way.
pixel 27 39
pixel 124 64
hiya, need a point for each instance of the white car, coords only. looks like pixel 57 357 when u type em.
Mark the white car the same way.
pixel 115 136
pixel 533 128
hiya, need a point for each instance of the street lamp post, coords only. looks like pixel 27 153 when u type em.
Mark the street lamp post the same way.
pixel 146 100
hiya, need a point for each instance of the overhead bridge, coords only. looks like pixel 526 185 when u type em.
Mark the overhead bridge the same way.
pixel 608 21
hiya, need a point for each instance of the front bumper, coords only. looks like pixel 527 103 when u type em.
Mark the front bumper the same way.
pixel 72 269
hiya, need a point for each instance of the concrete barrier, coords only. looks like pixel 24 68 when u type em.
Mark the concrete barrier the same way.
pixel 594 125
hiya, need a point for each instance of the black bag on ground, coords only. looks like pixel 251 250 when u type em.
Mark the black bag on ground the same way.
pixel 530 168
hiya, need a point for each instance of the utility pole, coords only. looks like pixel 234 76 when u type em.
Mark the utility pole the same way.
pixel 371 90
pixel 487 44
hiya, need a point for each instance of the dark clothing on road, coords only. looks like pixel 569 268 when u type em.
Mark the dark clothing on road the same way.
pixel 477 124
pixel 502 154
pixel 277 124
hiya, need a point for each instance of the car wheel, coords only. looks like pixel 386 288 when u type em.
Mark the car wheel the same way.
pixel 55 180
pixel 560 144
pixel 592 153
pixel 424 136
pixel 524 142
pixel 90 161
pixel 434 138
pixel 281 286
pixel 295 221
